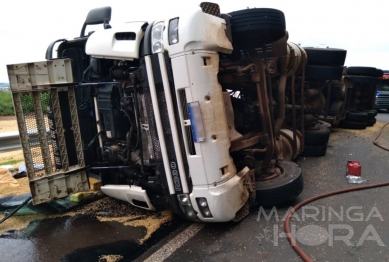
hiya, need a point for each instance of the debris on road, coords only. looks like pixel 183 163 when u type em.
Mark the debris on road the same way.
pixel 8 167
pixel 7 180
pixel 104 209
pixel 110 258
pixel 356 179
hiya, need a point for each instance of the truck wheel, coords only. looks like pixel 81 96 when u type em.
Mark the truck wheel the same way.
pixel 352 125
pixel 357 116
pixel 313 72
pixel 371 122
pixel 317 137
pixel 367 80
pixel 315 151
pixel 326 56
pixel 378 81
pixel 361 70
pixel 379 73
pixel 370 113
pixel 261 25
pixel 282 188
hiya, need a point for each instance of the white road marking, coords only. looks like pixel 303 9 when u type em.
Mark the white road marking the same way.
pixel 169 248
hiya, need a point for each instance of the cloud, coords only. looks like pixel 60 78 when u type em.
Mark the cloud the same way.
pixel 357 26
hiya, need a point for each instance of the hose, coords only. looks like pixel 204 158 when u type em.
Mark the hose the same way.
pixel 292 241
pixel 375 140
pixel 95 137
pixel 16 209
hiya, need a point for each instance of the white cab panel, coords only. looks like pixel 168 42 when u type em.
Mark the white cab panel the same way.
pixel 212 162
pixel 128 194
pixel 198 31
pixel 121 42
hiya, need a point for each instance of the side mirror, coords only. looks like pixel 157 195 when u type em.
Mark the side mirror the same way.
pixel 97 16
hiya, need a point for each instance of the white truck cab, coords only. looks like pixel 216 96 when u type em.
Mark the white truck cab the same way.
pixel 171 113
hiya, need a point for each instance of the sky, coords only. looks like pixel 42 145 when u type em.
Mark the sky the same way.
pixel 359 26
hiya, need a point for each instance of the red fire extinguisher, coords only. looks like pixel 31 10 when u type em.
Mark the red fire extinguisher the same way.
pixel 354 168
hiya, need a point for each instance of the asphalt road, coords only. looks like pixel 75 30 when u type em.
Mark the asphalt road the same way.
pixel 362 217
pixel 112 230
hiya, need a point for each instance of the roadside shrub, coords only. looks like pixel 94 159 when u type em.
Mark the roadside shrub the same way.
pixel 6 105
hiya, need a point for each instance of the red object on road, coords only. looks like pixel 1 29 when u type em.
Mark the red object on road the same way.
pixel 354 168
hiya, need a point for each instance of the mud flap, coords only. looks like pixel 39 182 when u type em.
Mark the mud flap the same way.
pixel 249 184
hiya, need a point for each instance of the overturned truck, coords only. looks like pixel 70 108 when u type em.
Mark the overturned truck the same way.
pixel 196 112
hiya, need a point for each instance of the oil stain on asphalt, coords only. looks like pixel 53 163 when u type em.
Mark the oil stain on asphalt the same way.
pixel 104 230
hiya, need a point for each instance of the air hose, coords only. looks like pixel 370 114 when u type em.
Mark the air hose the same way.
pixel 292 241
pixel 375 140
pixel 16 209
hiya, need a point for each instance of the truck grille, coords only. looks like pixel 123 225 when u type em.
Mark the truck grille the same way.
pixel 382 99
pixel 151 122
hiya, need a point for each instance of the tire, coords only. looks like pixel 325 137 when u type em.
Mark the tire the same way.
pixel 314 151
pixel 379 73
pixel 371 122
pixel 261 25
pixel 352 125
pixel 357 117
pixel 281 189
pixel 361 70
pixel 326 56
pixel 323 72
pixel 367 80
pixel 317 137
pixel 370 114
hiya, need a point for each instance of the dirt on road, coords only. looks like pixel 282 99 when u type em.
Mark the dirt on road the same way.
pixel 8 124
pixel 15 158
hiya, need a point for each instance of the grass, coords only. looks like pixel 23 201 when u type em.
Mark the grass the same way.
pixel 11 162
pixel 6 105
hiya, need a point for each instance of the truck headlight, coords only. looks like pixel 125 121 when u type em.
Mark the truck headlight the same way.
pixel 186 206
pixel 203 206
pixel 156 38
pixel 173 31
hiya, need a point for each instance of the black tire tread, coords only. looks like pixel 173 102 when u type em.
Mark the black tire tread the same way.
pixel 326 56
pixel 313 72
pixel 262 25
pixel 361 70
pixel 367 80
pixel 357 116
pixel 281 193
pixel 371 122
pixel 314 151
pixel 370 113
pixel 317 137
pixel 352 125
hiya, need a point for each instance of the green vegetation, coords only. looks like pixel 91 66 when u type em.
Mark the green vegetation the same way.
pixel 11 162
pixel 6 105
